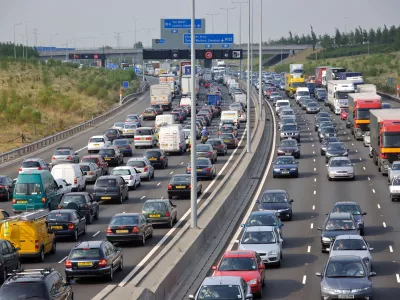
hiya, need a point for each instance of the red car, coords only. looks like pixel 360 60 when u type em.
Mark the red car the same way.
pixel 206 84
pixel 98 160
pixel 244 263
pixel 344 113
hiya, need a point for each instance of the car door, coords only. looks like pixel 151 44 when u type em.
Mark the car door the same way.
pixel 172 209
pixel 14 257
pixel 6 255
pixel 259 263
pixel 96 170
pixel 112 255
pixel 122 185
pixel 137 177
pixel 77 217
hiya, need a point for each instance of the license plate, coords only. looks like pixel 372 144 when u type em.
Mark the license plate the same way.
pixel 199 170
pixel 122 148
pixel 154 216
pixel 165 145
pixel 85 264
pixel 180 186
pixel 122 231
pixel 227 141
pixel 96 144
pixel 288 153
pixel 285 172
pixel 56 227
pixel 22 201
pixel 105 198
pixel 143 139
pixel 152 158
pixel 346 296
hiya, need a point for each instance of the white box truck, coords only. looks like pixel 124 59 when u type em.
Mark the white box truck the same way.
pixel 366 88
pixel 168 79
pixel 160 94
pixel 338 91
pixel 186 85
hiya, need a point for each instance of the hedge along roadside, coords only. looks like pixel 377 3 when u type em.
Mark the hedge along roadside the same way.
pixel 47 141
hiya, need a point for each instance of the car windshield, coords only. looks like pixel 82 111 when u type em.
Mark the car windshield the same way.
pixel 353 269
pixel 59 216
pixel 303 93
pixel 130 126
pixel 288 143
pixel 181 179
pixel 347 208
pixel 322 92
pixel 203 148
pixel 154 206
pixel 120 142
pixel 62 152
pixel 285 161
pixel 24 290
pixel 28 189
pixel 396 166
pixel 328 130
pixel 121 172
pixel 336 146
pixel 85 254
pixel 106 182
pixel 143 132
pixel 289 127
pixel 277 197
pixel 323 119
pixel 125 220
pixel 132 117
pixel 258 237
pixel 237 264
pixel 73 198
pixel 136 163
pixel 336 224
pixel 261 220
pixel 149 110
pixel 330 140
pixel 223 292
pixel 96 140
pixel 340 163
pixel 349 244
pixel 107 152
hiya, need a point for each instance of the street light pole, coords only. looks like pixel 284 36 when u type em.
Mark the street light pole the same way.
pixel 15 49
pixel 23 48
pixel 260 66
pixel 248 87
pixel 51 44
pixel 193 190
pixel 252 40
pixel 227 17
pixel 26 45
pixel 212 20
pixel 240 33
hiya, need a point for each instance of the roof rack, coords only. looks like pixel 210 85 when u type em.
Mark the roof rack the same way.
pixel 31 215
pixel 21 271
pixel 65 148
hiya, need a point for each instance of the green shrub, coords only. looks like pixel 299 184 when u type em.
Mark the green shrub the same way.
pixel 102 94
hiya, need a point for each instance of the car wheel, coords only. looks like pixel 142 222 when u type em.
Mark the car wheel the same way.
pixel 259 294
pixel 41 254
pixel 323 250
pixel 110 276
pixel 171 223
pixel 362 232
pixel 121 199
pixel 329 178
pixel 4 276
pixel 89 219
pixel 143 241
pixel 148 177
pixel 121 264
pixel 170 196
pixel 97 215
pixel 75 236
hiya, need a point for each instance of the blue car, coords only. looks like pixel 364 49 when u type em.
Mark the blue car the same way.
pixel 285 166
pixel 353 208
pixel 205 168
pixel 124 146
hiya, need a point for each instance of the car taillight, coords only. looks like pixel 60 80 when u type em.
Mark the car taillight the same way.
pixel 53 158
pixel 108 231
pixel 209 153
pixel 129 147
pixel 20 169
pixel 37 244
pixel 135 230
pixel 187 169
pixel 75 180
pixel 68 264
pixel 207 169
pixel 14 201
pixel 167 214
pixel 40 168
pixel 71 226
pixel 190 186
pixel 221 146
pixel 59 206
pixel 137 139
pixel 69 157
pixel 169 187
pixel 161 158
pixel 103 263
pixel 148 139
pixel 146 169
pixel 43 200
pixel 90 172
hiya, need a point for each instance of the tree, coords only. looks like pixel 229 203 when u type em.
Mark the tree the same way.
pixel 371 35
pixel 357 36
pixel 296 39
pixel 303 40
pixel 290 38
pixel 378 36
pixel 326 41
pixel 365 35
pixel 397 39
pixel 139 45
pixel 313 38
pixel 392 34
pixel 338 37
pixel 345 39
pixel 351 37
pixel 385 35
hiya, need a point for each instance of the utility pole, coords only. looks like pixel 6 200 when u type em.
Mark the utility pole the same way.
pixel 252 39
pixel 240 33
pixel 26 44
pixel 15 49
pixel 227 17
pixel 248 142
pixel 118 37
pixel 23 47
pixel 35 34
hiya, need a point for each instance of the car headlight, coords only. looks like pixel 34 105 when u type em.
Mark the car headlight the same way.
pixel 326 239
pixel 272 253
pixel 327 289
pixel 253 281
pixel 293 169
pixel 277 170
pixel 360 290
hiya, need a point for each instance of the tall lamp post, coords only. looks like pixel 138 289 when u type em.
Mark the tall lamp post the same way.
pixel 248 86
pixel 23 46
pixel 240 32
pixel 260 66
pixel 212 20
pixel 15 49
pixel 227 17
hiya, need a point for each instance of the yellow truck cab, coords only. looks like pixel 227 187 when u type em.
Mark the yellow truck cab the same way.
pixel 292 82
pixel 29 233
pixel 35 190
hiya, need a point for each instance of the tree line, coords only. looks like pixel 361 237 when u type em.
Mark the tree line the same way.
pixel 7 50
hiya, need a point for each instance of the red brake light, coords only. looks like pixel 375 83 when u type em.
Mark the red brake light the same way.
pixel 37 244
pixel 75 180
pixel 169 187
pixel 148 139
pixel 108 230
pixel 68 264
pixel 40 168
pixel 53 157
pixel 59 206
pixel 135 230
pixel 69 157
pixel 91 173
pixel 131 177
pixel 20 169
pixel 167 214
pixel 14 201
pixel 86 206
pixel 71 226
pixel 129 147
pixel 146 168
pixel 103 263
pixel 190 186
pixel 137 139
pixel 207 169
pixel 221 146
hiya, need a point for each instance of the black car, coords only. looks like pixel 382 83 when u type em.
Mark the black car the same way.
pixel 218 145
pixel 92 259
pixel 180 186
pixel 43 284
pixel 113 134
pixel 335 149
pixel 319 120
pixel 128 227
pixel 66 223
pixel 9 259
pixel 326 131
pixel 6 187
pixel 110 188
pixel 157 157
pixel 289 147
pixel 325 142
pixel 277 200
pixel 82 202
pixel 353 208
pixel 112 155
pixel 334 225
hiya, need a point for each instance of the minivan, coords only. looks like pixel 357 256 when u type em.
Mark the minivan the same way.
pixel 172 139
pixel 72 174
pixel 145 137
pixel 36 190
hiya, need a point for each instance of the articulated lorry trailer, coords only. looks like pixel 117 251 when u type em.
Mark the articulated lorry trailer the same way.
pixel 385 137
pixel 359 112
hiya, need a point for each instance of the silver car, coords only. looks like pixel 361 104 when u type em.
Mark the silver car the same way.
pixel 266 241
pixel 143 165
pixel 312 108
pixel 394 188
pixel 352 244
pixel 367 139
pixel 340 168
pixel 285 120
pixel 393 171
pixel 64 155
pixel 91 171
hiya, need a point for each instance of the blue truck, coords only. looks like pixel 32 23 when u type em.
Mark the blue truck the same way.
pixel 214 99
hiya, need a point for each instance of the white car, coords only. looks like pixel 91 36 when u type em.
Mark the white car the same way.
pixel 66 187
pixel 394 188
pixel 97 142
pixel 266 241
pixel 281 104
pixel 129 174
pixel 367 139
pixel 352 244
pixel 143 165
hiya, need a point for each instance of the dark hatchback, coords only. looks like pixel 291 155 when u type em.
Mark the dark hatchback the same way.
pixel 93 259
pixel 230 140
pixel 180 186
pixel 113 134
pixel 128 227
pixel 353 208
pixel 112 155
pixel 157 158
pixel 9 259
pixel 6 187
pixel 218 145
pixel 110 188
pixel 66 223
pixel 289 147
pixel 124 146
pixel 278 201
pixel 83 203
pixel 205 168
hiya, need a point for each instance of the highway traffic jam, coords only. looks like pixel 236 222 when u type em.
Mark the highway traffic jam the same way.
pixel 92 210
pixel 307 234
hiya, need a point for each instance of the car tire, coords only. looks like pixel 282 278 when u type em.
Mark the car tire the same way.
pixel 362 232
pixel 143 241
pixel 41 254
pixel 121 264
pixel 84 230
pixel 329 178
pixel 110 276
pixel 97 214
pixel 170 196
pixel 171 223
pixel 121 199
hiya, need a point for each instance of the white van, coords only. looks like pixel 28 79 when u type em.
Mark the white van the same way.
pixel 302 92
pixel 231 115
pixel 185 101
pixel 280 104
pixel 172 139
pixel 164 119
pixel 72 174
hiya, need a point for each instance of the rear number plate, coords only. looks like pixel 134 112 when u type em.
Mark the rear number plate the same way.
pixel 56 227
pixel 22 201
pixel 288 153
pixel 346 296
pixel 180 186
pixel 85 264
pixel 122 231
pixel 106 198
pixel 154 216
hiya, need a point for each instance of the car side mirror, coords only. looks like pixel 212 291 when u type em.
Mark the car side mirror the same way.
pixel 319 228
pixel 291 201
pixel 371 249
pixel 372 274
pixel 364 213
pixel 318 274
pixel 214 267
pixel 281 225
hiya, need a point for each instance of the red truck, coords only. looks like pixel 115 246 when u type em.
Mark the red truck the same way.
pixel 358 115
pixel 385 137
pixel 318 75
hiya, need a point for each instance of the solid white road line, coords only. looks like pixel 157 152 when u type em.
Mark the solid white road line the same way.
pixel 104 292
pixel 79 150
pixel 96 233
pixel 308 249
pixel 384 224
pixel 172 172
pixel 398 278
pixel 158 183
pixel 312 225
pixel 63 259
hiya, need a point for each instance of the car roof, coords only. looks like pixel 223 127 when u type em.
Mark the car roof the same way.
pixel 264 212
pixel 97 136
pixel 340 215
pixel 349 237
pixel 92 155
pixel 137 159
pixel 239 253
pixel 259 228
pixel 109 177
pixel 32 159
pixel 63 210
pixel 345 203
pixel 77 193
pixel 274 191
pixel 222 280
pixel 141 128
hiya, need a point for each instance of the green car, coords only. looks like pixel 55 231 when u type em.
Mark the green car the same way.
pixel 160 211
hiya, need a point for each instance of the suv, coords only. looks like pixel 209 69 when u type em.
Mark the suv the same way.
pixel 82 202
pixel 46 284
pixel 64 155
pixel 31 164
pixel 112 155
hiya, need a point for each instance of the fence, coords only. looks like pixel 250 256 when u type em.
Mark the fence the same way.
pixel 16 153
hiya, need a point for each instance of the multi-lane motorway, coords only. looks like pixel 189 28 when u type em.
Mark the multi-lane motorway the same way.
pixel 135 256
pixel 314 196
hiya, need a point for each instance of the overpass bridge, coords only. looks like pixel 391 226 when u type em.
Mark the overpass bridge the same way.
pixel 137 53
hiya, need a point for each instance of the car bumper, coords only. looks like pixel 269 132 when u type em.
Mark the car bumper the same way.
pixel 179 193
pixel 124 237
pixel 295 154
pixel 143 143
pixel 162 220
pixel 144 175
pixel 25 207
pixel 98 198
pixel 341 175
pixel 334 296
pixel 90 178
pixel 285 215
pixel 63 233
pixel 111 160
pixel 128 134
pixel 271 260
pixel 87 273
pixel 284 174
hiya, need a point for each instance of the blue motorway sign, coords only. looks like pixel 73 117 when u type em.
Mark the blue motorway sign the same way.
pixel 209 38
pixel 160 41
pixel 182 23
pixel 125 84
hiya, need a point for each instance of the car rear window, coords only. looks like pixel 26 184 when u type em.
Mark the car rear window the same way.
pixel 90 159
pixel 24 290
pixel 143 132
pixel 156 206
pixel 59 217
pixel 96 140
pixel 120 142
pixel 178 178
pixel 149 110
pixel 107 151
pixel 73 198
pixel 106 182
pixel 121 172
pixel 91 253
pixel 130 126
pixel 62 152
pixel 203 148
pixel 30 164
pixel 203 162
pixel 84 167
pixel 125 220
pixel 153 154
pixel 226 136
pixel 136 163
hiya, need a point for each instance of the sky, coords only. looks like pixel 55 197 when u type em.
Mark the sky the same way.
pixel 93 23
